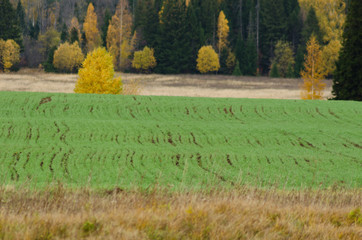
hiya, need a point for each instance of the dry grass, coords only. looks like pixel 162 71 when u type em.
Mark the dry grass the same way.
pixel 132 87
pixel 191 85
pixel 246 213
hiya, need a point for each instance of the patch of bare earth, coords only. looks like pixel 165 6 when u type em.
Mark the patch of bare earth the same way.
pixel 167 85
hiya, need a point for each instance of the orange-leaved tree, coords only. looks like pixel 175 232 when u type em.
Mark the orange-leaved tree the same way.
pixel 207 60
pixel 91 31
pixel 313 73
pixel 97 74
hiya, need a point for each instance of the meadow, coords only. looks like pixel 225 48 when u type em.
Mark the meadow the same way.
pixel 128 142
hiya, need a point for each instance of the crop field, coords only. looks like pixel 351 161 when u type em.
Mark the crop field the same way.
pixel 103 141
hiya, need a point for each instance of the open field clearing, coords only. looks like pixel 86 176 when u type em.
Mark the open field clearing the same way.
pixel 167 85
pixel 104 141
pixel 245 213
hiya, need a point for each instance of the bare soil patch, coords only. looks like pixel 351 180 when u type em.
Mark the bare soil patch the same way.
pixel 190 85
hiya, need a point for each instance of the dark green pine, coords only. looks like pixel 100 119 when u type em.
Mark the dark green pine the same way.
pixel 9 23
pixel 273 27
pixel 347 82
pixel 107 18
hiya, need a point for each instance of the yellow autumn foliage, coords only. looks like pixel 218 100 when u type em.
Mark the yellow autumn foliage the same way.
pixel 97 74
pixel 331 17
pixel 91 31
pixel 144 60
pixel 222 31
pixel 313 72
pixel 9 54
pixel 68 57
pixel 207 60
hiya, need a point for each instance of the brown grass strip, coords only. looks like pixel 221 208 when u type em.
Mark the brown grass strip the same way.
pixel 246 213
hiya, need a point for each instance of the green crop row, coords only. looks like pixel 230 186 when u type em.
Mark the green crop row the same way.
pixel 106 141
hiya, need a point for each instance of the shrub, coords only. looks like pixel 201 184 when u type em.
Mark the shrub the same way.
pixel 144 60
pixel 274 73
pixel 68 57
pixel 97 74
pixel 207 60
pixel 237 71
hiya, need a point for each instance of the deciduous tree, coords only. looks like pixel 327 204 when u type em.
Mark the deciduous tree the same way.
pixel 97 74
pixel 144 60
pixel 9 54
pixel 91 31
pixel 68 57
pixel 313 72
pixel 207 60
pixel 283 57
pixel 222 32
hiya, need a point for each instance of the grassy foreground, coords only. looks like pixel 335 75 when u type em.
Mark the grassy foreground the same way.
pixel 243 213
pixel 102 141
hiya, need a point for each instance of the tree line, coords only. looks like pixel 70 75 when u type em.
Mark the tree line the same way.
pixel 250 37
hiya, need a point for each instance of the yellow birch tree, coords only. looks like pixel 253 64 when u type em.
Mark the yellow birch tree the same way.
pixel 91 31
pixel 97 74
pixel 144 60
pixel 313 72
pixel 119 36
pixel 68 57
pixel 9 54
pixel 207 60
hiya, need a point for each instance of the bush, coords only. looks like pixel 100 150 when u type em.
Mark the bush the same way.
pixel 207 60
pixel 144 60
pixel 68 58
pixel 237 71
pixel 9 54
pixel 274 73
pixel 97 74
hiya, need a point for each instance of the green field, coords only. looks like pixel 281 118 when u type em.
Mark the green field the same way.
pixel 105 141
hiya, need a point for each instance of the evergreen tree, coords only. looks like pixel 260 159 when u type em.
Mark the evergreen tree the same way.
pixel 74 35
pixel 251 58
pixel 273 27
pixel 237 71
pixel 107 18
pixel 347 83
pixel 310 27
pixel 173 42
pixel 9 23
pixel 21 17
pixel 274 73
pixel 64 36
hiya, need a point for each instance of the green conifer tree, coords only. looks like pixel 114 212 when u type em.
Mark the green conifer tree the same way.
pixel 9 23
pixel 347 82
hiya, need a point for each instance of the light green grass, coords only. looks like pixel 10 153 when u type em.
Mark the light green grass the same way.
pixel 104 141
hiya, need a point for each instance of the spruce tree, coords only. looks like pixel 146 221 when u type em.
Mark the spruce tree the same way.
pixel 21 17
pixel 107 18
pixel 274 72
pixel 347 82
pixel 237 71
pixel 273 27
pixel 310 27
pixel 64 36
pixel 9 23
pixel 74 35
pixel 173 41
